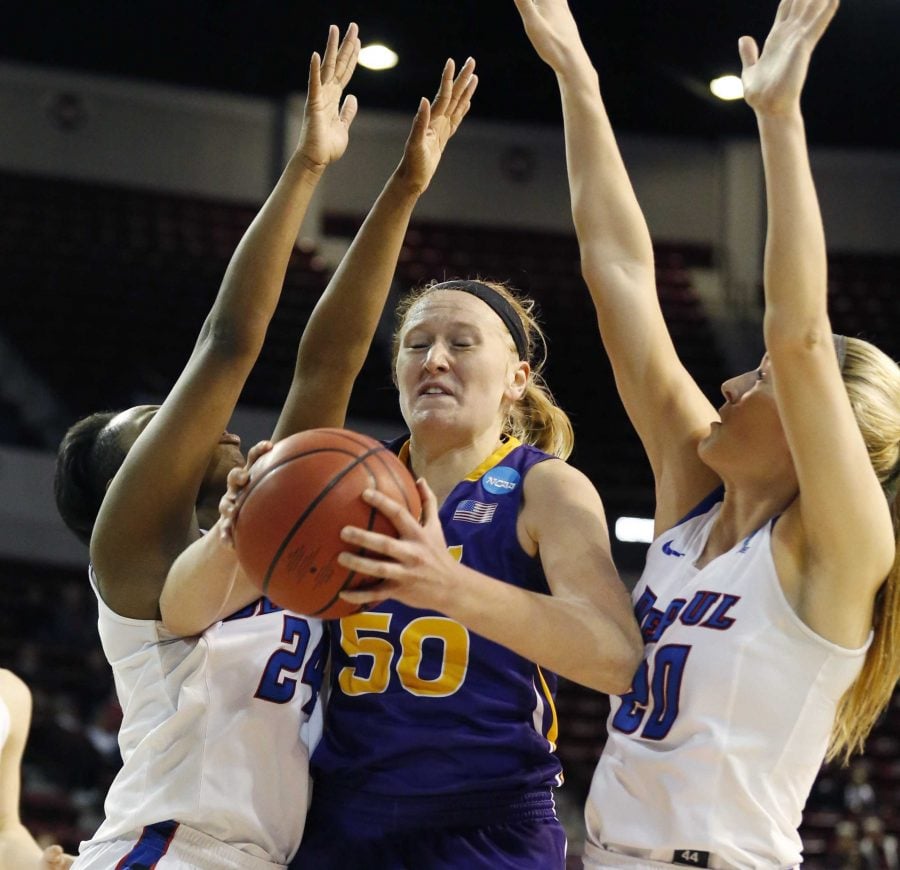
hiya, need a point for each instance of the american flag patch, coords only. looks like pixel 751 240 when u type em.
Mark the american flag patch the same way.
pixel 471 511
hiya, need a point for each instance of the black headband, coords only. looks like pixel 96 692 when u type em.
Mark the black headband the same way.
pixel 498 304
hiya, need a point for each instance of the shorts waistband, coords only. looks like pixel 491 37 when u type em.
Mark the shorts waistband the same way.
pixel 439 811
pixel 203 844
pixel 678 857
pixel 147 846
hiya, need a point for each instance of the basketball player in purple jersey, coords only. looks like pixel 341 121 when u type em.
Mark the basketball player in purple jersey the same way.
pixel 440 726
pixel 770 611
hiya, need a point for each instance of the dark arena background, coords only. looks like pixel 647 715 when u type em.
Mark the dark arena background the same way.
pixel 137 141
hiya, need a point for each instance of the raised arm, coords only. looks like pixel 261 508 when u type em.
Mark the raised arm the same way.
pixel 148 515
pixel 18 849
pixel 337 338
pixel 206 583
pixel 562 522
pixel 843 523
pixel 664 404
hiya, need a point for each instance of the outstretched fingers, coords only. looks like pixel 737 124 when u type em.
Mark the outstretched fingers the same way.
pixel 445 89
pixel 348 55
pixel 421 121
pixel 748 51
pixel 818 16
pixel 349 110
pixel 329 59
pixel 460 105
pixel 314 83
pixel 339 61
pixel 811 16
pixel 462 87
pixel 784 10
pixel 529 12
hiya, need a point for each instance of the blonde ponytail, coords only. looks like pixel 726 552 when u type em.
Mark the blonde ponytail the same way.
pixel 872 380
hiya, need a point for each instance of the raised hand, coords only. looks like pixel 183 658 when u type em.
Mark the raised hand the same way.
pixel 326 121
pixel 551 28
pixel 774 79
pixel 416 568
pixel 237 480
pixel 435 123
pixel 53 858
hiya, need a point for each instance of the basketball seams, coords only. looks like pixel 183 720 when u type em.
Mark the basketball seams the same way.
pixel 335 480
pixel 352 575
pixel 357 439
pixel 281 463
pixel 398 483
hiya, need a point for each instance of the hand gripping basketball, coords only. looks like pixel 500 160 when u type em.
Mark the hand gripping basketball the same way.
pixel 288 518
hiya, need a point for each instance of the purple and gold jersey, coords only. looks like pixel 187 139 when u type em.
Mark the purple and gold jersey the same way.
pixel 421 706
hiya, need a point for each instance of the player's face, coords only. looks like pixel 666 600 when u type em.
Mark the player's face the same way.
pixel 226 454
pixel 456 367
pixel 750 433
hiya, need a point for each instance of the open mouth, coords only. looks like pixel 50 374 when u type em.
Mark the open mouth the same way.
pixel 434 390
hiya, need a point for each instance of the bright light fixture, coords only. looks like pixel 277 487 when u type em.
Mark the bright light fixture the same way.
pixel 634 530
pixel 377 56
pixel 727 87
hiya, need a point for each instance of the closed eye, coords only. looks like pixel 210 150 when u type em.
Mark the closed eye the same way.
pixel 417 342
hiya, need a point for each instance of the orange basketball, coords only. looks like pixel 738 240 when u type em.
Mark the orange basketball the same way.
pixel 300 495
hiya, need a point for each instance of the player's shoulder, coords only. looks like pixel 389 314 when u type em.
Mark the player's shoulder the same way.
pixel 12 682
pixel 14 692
pixel 555 490
pixel 553 473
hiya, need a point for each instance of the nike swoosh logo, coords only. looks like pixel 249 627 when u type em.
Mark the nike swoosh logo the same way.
pixel 667 549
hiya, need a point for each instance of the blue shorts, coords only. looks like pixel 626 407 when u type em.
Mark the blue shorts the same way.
pixel 488 831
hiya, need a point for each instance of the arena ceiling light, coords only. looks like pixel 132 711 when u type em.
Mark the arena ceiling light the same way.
pixel 377 56
pixel 634 530
pixel 727 87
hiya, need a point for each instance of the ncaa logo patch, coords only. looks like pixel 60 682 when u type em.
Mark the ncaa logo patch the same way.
pixel 501 480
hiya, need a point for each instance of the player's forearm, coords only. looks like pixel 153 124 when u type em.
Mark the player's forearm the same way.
pixel 608 220
pixel 255 275
pixel 349 311
pixel 204 585
pixel 339 333
pixel 18 849
pixel 795 274
pixel 569 637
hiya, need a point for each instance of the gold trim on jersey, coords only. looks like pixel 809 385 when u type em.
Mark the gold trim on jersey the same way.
pixel 507 445
pixel 553 731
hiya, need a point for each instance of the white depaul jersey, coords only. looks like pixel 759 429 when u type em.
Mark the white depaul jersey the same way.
pixel 717 745
pixel 217 729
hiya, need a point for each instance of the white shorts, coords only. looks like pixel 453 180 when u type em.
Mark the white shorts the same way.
pixel 167 846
